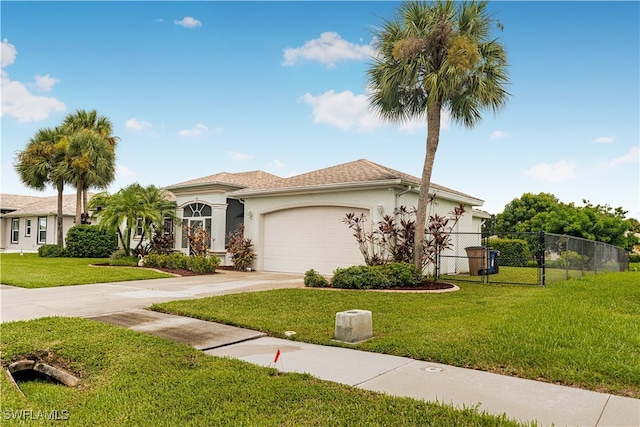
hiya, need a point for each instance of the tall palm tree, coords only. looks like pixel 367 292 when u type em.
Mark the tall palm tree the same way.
pixel 89 162
pixel 40 163
pixel 128 206
pixel 83 121
pixel 435 56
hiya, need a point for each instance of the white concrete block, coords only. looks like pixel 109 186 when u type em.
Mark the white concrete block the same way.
pixel 353 326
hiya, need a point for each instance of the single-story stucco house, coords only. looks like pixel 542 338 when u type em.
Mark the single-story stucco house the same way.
pixel 295 223
pixel 28 222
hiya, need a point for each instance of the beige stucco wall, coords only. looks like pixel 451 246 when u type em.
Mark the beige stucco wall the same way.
pixel 218 202
pixel 30 243
pixel 389 198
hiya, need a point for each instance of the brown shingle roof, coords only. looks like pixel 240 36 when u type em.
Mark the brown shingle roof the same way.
pixel 357 172
pixel 253 179
pixel 16 201
pixel 34 205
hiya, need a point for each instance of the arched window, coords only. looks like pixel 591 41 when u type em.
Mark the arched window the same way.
pixel 195 215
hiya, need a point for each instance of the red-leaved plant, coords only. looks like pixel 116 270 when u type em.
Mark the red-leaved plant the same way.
pixel 391 240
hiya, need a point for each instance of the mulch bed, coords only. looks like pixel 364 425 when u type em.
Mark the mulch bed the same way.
pixel 427 285
pixel 178 272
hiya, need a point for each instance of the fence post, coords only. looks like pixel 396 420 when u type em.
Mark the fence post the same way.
pixel 541 258
pixel 566 259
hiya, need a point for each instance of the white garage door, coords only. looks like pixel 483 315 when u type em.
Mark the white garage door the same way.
pixel 296 240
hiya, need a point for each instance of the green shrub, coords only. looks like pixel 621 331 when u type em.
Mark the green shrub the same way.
pixel 360 277
pixel 313 279
pixel 634 257
pixel 203 265
pixel 52 251
pixel 90 241
pixel 153 259
pixel 174 261
pixel 401 274
pixel 177 260
pixel 180 261
pixel 120 258
pixel 513 252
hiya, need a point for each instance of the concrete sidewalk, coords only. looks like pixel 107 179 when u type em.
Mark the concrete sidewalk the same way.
pixel 124 304
pixel 520 399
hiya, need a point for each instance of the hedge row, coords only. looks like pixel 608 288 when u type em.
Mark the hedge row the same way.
pixel 180 261
pixel 394 275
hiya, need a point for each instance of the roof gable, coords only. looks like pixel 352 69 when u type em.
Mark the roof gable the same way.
pixel 352 172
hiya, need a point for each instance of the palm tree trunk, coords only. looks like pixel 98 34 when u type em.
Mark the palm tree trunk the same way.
pixel 59 218
pixel 433 137
pixel 84 200
pixel 80 184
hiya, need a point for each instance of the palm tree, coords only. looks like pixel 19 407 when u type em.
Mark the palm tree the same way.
pixel 436 56
pixel 131 204
pixel 89 162
pixel 83 121
pixel 40 163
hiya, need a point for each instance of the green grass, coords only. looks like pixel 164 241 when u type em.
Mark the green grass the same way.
pixel 581 332
pixel 31 271
pixel 132 379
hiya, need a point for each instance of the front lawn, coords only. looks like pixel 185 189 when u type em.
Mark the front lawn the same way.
pixel 580 332
pixel 31 271
pixel 132 379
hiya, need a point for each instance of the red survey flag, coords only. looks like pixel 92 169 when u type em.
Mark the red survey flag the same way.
pixel 277 356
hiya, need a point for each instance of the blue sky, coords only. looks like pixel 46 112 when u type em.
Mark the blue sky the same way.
pixel 196 88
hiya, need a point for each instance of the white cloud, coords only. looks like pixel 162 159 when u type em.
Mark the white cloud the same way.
pixel 557 172
pixel 135 124
pixel 123 171
pixel 346 110
pixel 329 49
pixel 604 139
pixel 17 100
pixel 632 156
pixel 197 130
pixel 499 134
pixel 45 83
pixel 8 53
pixel 188 22
pixel 276 164
pixel 234 155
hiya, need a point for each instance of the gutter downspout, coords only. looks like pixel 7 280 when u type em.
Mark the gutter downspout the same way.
pixel 408 189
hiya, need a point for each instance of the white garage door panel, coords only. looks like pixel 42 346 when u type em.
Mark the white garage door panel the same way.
pixel 296 240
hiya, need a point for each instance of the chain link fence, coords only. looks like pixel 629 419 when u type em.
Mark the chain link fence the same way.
pixel 526 258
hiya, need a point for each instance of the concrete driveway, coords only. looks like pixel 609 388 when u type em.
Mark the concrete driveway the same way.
pixel 104 298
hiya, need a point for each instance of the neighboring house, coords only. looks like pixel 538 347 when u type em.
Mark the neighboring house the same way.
pixel 28 222
pixel 295 223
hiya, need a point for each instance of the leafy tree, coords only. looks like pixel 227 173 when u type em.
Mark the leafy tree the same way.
pixel 544 212
pixel 127 207
pixel 82 123
pixel 517 215
pixel 433 57
pixel 40 164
